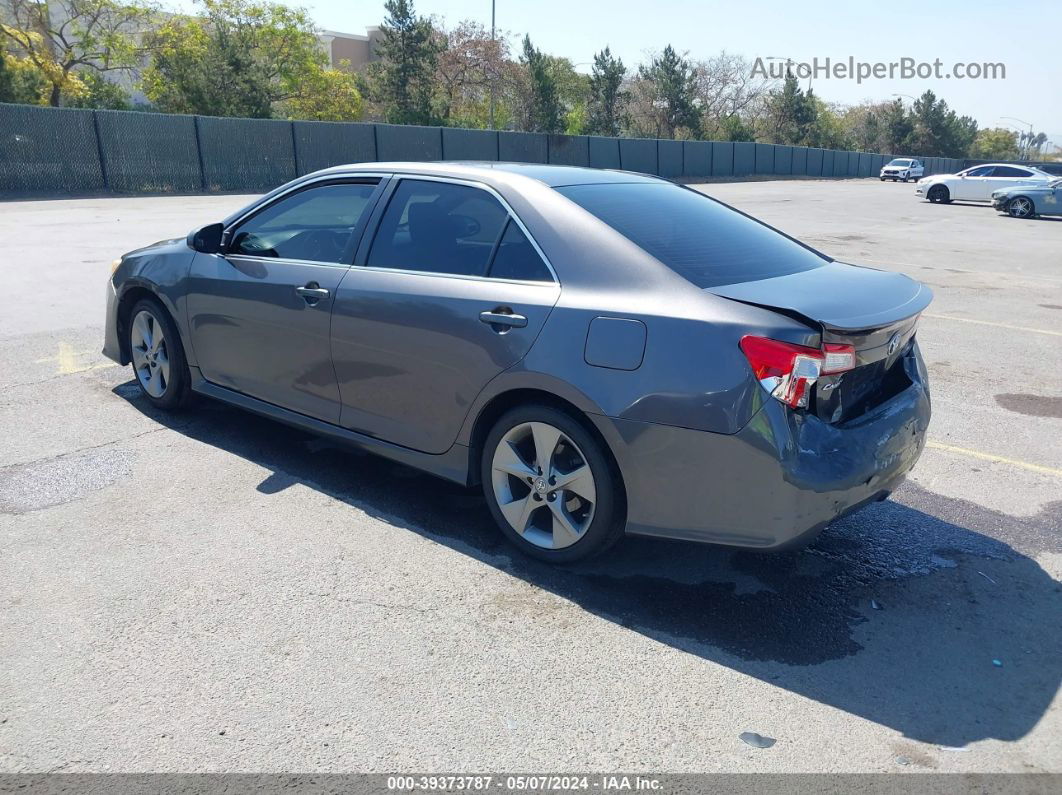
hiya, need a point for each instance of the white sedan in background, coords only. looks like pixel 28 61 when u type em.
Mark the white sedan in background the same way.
pixel 976 184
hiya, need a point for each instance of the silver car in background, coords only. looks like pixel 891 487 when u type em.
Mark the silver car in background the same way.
pixel 1029 201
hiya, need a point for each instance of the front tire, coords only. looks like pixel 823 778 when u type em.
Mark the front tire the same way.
pixel 939 194
pixel 551 486
pixel 1020 207
pixel 157 355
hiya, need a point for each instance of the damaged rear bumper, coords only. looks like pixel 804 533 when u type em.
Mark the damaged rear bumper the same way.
pixel 775 483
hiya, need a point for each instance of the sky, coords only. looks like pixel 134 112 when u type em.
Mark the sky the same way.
pixel 1023 37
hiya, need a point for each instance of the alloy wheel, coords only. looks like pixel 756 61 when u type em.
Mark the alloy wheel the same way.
pixel 150 358
pixel 1020 207
pixel 543 485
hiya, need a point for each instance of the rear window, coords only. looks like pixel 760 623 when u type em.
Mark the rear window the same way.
pixel 1010 171
pixel 702 240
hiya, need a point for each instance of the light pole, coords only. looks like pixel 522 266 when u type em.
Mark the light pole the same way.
pixel 492 40
pixel 1027 141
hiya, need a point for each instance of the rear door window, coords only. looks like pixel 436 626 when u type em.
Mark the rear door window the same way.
pixel 438 227
pixel 703 240
pixel 516 258
pixel 1010 171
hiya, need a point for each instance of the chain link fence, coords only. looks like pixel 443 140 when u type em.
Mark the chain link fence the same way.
pixel 49 153
pixel 148 152
pixel 69 152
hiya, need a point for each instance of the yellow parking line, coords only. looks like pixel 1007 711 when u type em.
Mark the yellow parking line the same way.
pixel 997 325
pixel 997 459
pixel 69 361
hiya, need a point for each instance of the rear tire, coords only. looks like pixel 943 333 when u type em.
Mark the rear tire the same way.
pixel 939 194
pixel 551 486
pixel 157 354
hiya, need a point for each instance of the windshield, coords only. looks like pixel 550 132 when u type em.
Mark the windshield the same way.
pixel 699 238
pixel 899 162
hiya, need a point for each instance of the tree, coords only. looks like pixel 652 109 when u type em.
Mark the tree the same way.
pixel 727 93
pixel 791 114
pixel 22 82
pixel 938 131
pixel 64 37
pixel 1037 142
pixel 544 108
pixel 404 77
pixel 828 129
pixel 101 93
pixel 605 107
pixel 995 144
pixel 7 80
pixel 896 126
pixel 245 58
pixel 863 126
pixel 672 90
pixel 732 128
pixel 468 65
pixel 326 95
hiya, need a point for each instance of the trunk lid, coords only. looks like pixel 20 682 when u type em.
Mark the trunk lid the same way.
pixel 874 311
pixel 837 297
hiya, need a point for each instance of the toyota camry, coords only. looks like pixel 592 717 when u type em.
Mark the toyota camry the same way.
pixel 605 353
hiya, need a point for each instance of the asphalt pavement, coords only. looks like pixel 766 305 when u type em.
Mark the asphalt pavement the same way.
pixel 211 591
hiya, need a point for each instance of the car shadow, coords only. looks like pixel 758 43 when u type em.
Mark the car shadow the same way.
pixel 915 614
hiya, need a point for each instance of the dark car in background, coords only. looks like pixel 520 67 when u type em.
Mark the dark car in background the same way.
pixel 605 352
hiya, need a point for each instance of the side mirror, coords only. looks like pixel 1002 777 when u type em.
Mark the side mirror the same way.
pixel 207 239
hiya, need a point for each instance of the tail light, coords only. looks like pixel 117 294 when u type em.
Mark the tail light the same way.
pixel 789 371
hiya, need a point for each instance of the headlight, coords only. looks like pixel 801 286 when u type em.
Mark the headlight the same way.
pixel 115 264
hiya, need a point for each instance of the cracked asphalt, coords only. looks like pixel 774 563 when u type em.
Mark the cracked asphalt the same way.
pixel 210 591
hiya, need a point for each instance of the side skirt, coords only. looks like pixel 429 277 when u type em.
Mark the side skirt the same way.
pixel 451 465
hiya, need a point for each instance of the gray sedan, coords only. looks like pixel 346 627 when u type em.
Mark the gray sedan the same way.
pixel 605 352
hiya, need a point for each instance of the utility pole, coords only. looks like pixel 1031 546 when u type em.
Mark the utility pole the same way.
pixel 492 76
pixel 1026 139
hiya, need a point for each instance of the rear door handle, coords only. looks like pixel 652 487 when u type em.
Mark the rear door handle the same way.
pixel 312 292
pixel 507 319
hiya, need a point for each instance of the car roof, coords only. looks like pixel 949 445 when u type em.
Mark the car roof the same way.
pixel 554 176
pixel 1015 165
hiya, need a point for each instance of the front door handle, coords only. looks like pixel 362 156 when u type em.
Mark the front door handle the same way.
pixel 312 292
pixel 505 319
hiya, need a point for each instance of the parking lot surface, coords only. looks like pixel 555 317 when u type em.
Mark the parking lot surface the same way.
pixel 211 591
